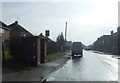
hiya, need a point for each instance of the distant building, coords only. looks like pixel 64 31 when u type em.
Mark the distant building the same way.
pixel 118 30
pixel 107 43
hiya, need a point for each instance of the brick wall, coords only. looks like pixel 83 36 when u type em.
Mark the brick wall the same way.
pixel 6 34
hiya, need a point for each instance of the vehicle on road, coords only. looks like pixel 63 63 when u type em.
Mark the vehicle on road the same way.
pixel 77 49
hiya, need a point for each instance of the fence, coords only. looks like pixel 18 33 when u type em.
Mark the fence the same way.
pixel 28 50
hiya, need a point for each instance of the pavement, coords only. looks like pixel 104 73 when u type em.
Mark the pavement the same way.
pixel 39 73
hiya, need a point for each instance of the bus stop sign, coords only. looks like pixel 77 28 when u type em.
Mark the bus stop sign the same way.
pixel 47 33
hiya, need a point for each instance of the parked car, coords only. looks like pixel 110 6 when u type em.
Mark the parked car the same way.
pixel 77 49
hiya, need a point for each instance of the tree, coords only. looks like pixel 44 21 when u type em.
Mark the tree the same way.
pixel 60 42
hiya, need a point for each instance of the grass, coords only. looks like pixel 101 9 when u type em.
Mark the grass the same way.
pixel 7 55
pixel 14 66
pixel 52 57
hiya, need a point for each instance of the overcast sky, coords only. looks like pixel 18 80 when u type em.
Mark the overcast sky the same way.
pixel 87 19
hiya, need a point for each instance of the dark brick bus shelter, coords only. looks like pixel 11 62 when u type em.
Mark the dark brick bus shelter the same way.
pixel 31 50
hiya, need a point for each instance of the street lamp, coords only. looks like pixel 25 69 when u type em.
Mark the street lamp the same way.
pixel 65 31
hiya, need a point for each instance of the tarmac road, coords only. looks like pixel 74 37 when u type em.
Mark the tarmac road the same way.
pixel 91 67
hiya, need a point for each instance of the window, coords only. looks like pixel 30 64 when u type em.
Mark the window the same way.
pixel 23 35
pixel 103 42
pixel 1 30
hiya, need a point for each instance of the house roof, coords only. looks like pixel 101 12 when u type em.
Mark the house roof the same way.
pixel 15 27
pixel 48 39
pixel 4 26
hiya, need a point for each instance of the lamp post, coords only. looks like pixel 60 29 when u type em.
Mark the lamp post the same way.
pixel 65 31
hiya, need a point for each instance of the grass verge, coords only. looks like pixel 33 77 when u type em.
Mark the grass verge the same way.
pixel 52 57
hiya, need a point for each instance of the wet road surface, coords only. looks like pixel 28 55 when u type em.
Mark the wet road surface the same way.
pixel 91 67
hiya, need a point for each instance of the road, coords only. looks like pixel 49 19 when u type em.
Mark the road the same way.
pixel 91 67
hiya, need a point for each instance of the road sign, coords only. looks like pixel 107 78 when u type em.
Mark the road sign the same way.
pixel 47 33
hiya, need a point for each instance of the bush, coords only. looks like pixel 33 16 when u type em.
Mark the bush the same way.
pixel 8 55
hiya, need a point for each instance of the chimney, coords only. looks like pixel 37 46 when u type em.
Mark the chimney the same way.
pixel 16 22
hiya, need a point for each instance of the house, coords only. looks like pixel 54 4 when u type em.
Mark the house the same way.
pixel 4 31
pixel 107 43
pixel 18 31
pixel 118 31
pixel 17 34
pixel 5 34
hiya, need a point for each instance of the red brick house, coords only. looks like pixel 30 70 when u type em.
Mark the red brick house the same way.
pixel 5 34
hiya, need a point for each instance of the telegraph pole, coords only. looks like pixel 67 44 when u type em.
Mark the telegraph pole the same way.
pixel 65 31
